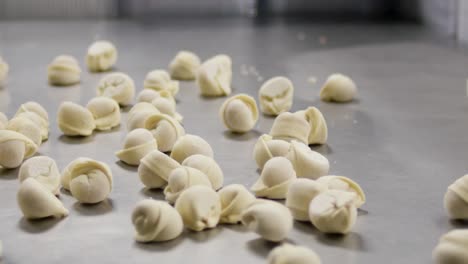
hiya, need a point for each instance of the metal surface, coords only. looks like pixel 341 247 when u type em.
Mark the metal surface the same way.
pixel 404 140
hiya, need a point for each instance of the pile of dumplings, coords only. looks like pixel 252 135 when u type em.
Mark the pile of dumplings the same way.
pixel 183 165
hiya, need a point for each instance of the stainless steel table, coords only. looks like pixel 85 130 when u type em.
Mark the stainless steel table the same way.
pixel 404 140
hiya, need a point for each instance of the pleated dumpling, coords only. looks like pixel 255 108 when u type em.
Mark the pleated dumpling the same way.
pixel 28 128
pixel 188 145
pixel 306 162
pixel 214 76
pixel 452 248
pixel 36 113
pixel 342 183
pixel 44 170
pixel 235 198
pixel 75 120
pixel 275 179
pixel 181 179
pixel 155 168
pixel 159 80
pixel 300 193
pixel 165 129
pixel 184 66
pixel 118 86
pixel 267 148
pixel 318 126
pixel 137 144
pixel 138 114
pixel 456 199
pixel 208 166
pixel 14 148
pixel 291 254
pixel 106 112
pixel 288 126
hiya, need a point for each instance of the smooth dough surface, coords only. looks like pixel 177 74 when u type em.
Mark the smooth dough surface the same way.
pixel 156 221
pixel 64 70
pixel 75 120
pixel 159 80
pixel 36 113
pixel 188 145
pixel 456 199
pixel 199 207
pixel 318 126
pixel 300 193
pixel 4 68
pixel 181 179
pixel 338 88
pixel 214 76
pixel 36 201
pixel 208 166
pixel 44 170
pixel 342 183
pixel 291 254
pixel 306 162
pixel 148 95
pixel 239 113
pixel 235 198
pixel 274 181
pixel 184 66
pixel 288 126
pixel 137 144
pixel 118 86
pixel 102 55
pixel 139 113
pixel 167 105
pixel 106 112
pixel 165 129
pixel 27 127
pixel 333 211
pixel 276 95
pixel 267 148
pixel 452 248
pixel 258 218
pixel 155 168
pixel 14 148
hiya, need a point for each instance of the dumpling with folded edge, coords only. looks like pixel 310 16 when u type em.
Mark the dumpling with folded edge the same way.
pixel 14 148
pixel 342 183
pixel 188 145
pixel 267 148
pixel 275 179
pixel 156 221
pixel 208 166
pixel 64 70
pixel 137 144
pixel 159 80
pixel 101 56
pixel 118 86
pixel 276 95
pixel 167 106
pixel 75 120
pixel 235 198
pixel 182 178
pixel 36 113
pixel 300 193
pixel 456 199
pixel 165 129
pixel 306 162
pixel 318 126
pixel 106 112
pixel 138 115
pixel 214 76
pixel 44 170
pixel 25 126
pixel 184 66
pixel 288 126
pixel 155 168
pixel 148 95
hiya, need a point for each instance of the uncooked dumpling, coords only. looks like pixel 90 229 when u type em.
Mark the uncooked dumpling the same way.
pixel 181 179
pixel 118 86
pixel 306 162
pixel 36 113
pixel 276 96
pixel 188 145
pixel 271 220
pixel 75 120
pixel 338 88
pixel 275 179
pixel 267 148
pixel 288 126
pixel 184 66
pixel 64 70
pixel 155 168
pixel 235 198
pixel 167 106
pixel 199 207
pixel 342 183
pixel 138 115
pixel 3 72
pixel 156 221
pixel 452 248
pixel 300 193
pixel 137 144
pixel 148 95
pixel 318 126
pixel 102 55
pixel 36 201
pixel 291 254
pixel 165 129
pixel 3 121
pixel 456 199
pixel 214 76
pixel 159 80
pixel 44 170
pixel 106 112
pixel 239 113
pixel 14 148
pixel 25 126
pixel 208 166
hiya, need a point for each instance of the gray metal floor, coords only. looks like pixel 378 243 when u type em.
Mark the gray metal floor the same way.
pixel 404 140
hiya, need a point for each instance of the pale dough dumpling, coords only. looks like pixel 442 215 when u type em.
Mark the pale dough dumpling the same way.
pixel 89 181
pixel 288 126
pixel 338 88
pixel 456 199
pixel 184 66
pixel 44 170
pixel 452 248
pixel 181 179
pixel 275 179
pixel 291 254
pixel 239 113
pixel 159 80
pixel 106 112
pixel 155 168
pixel 208 166
pixel 138 115
pixel 300 193
pixel 137 144
pixel 167 106
pixel 306 162
pixel 102 55
pixel 118 86
pixel 36 201
pixel 36 113
pixel 64 70
pixel 3 121
pixel 199 207
pixel 25 126
pixel 188 145
pixel 75 120
pixel 271 220
pixel 318 126
pixel 235 198
pixel 65 178
pixel 276 96
pixel 342 183
pixel 165 129
pixel 14 148
pixel 333 211
pixel 214 76
pixel 156 221
pixel 267 148
pixel 3 72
